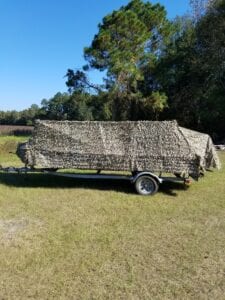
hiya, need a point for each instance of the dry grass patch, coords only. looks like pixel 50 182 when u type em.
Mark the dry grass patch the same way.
pixel 99 240
pixel 18 130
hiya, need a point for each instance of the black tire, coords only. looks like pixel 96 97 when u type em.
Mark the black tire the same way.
pixel 146 185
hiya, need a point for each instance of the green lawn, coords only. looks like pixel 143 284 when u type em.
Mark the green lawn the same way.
pixel 72 239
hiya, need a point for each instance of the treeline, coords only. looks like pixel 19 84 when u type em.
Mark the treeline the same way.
pixel 63 106
pixel 156 69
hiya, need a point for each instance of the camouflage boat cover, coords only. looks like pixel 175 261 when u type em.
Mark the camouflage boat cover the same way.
pixel 121 146
pixel 203 146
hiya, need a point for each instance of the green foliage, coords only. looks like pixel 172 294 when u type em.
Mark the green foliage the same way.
pixel 211 37
pixel 199 7
pixel 77 81
pixel 179 74
pixel 24 117
pixel 128 40
pixel 192 72
pixel 55 107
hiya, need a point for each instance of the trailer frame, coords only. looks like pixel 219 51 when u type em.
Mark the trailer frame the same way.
pixel 146 183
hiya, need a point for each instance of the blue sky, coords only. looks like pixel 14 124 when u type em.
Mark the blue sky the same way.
pixel 41 39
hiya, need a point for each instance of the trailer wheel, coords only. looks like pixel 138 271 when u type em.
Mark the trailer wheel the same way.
pixel 145 185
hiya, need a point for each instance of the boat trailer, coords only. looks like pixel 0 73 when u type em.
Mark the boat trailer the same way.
pixel 146 183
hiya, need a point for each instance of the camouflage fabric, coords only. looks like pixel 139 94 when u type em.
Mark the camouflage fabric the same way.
pixel 203 146
pixel 120 146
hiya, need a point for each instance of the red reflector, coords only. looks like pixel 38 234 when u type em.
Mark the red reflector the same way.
pixel 188 181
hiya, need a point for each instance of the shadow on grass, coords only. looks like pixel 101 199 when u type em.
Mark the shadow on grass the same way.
pixel 171 188
pixel 56 182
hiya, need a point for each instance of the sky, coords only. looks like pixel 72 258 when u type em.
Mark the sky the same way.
pixel 41 39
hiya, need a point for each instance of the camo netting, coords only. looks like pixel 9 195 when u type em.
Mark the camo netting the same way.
pixel 203 146
pixel 120 146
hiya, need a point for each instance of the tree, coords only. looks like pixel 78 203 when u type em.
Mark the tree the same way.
pixel 27 116
pixel 211 40
pixel 54 108
pixel 199 8
pixel 77 81
pixel 192 72
pixel 179 74
pixel 128 40
pixel 77 107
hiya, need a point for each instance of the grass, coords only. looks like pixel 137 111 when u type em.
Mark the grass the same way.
pixel 8 145
pixel 71 239
pixel 17 130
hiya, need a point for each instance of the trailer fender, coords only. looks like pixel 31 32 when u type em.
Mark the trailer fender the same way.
pixel 146 173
